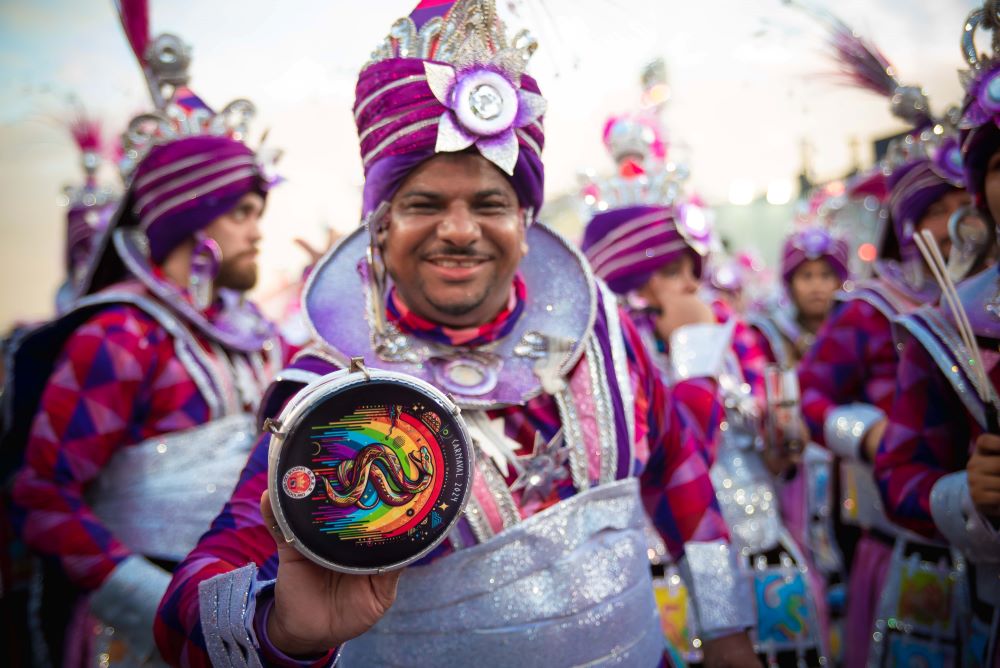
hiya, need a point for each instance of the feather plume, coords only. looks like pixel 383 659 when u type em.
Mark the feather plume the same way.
pixel 86 131
pixel 861 64
pixel 134 16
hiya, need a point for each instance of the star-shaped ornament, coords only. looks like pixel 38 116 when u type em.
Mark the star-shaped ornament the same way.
pixel 545 467
pixel 489 435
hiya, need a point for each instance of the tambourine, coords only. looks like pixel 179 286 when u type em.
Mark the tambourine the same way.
pixel 368 470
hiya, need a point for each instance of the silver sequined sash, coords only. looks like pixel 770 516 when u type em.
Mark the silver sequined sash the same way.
pixel 569 586
pixel 160 495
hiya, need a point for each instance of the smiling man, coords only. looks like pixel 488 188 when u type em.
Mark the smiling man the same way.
pixel 464 290
pixel 134 409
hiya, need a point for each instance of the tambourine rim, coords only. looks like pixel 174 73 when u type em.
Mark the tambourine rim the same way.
pixel 323 388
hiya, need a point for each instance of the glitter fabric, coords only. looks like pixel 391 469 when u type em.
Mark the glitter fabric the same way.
pixel 746 495
pixel 158 496
pixel 697 351
pixel 127 601
pixel 226 605
pixel 960 522
pixel 785 596
pixel 722 600
pixel 571 582
pixel 846 426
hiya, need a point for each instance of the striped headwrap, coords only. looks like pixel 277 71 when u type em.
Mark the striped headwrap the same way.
pixel 181 187
pixel 626 246
pixel 413 101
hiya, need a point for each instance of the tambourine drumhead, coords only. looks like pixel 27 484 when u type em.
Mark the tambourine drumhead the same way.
pixel 369 471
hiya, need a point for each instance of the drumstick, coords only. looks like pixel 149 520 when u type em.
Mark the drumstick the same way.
pixel 958 312
pixel 935 261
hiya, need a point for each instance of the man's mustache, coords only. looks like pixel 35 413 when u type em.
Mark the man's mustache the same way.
pixel 457 252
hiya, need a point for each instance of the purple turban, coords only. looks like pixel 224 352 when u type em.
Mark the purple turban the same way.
pixel 814 243
pixel 913 188
pixel 408 109
pixel 626 246
pixel 180 187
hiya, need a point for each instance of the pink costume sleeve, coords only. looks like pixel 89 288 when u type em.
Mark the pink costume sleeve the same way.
pixel 116 382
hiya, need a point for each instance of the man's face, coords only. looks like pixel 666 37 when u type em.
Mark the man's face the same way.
pixel 674 279
pixel 454 240
pixel 937 215
pixel 238 233
pixel 991 186
pixel 813 286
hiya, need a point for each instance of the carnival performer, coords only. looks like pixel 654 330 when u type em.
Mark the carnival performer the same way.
pixel 813 267
pixel 649 244
pixel 134 409
pixel 89 209
pixel 847 377
pixel 505 316
pixel 938 467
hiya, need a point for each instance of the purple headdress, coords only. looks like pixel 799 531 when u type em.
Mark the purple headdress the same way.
pixel 814 243
pixel 89 205
pixel 640 219
pixel 184 164
pixel 447 79
pixel 923 165
pixel 980 122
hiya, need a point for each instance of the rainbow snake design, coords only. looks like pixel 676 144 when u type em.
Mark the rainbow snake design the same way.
pixel 380 465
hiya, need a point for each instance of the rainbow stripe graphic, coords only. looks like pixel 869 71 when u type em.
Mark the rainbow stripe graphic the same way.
pixel 404 430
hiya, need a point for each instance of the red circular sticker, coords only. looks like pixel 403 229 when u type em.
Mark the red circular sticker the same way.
pixel 298 482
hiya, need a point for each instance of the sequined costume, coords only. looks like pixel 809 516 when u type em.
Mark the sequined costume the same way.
pixel 641 223
pixel 569 383
pixel 806 491
pixel 921 474
pixel 788 596
pixel 133 410
pixel 942 399
pixel 848 376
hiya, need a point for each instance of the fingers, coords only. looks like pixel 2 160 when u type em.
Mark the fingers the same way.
pixel 985 464
pixel 269 519
pixel 988 444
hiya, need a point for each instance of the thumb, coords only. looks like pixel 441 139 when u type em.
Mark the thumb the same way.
pixel 285 548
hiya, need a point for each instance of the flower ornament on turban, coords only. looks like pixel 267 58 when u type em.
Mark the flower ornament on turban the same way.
pixel 485 101
pixel 448 78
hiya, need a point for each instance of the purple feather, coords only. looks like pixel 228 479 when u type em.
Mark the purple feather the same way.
pixel 859 62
